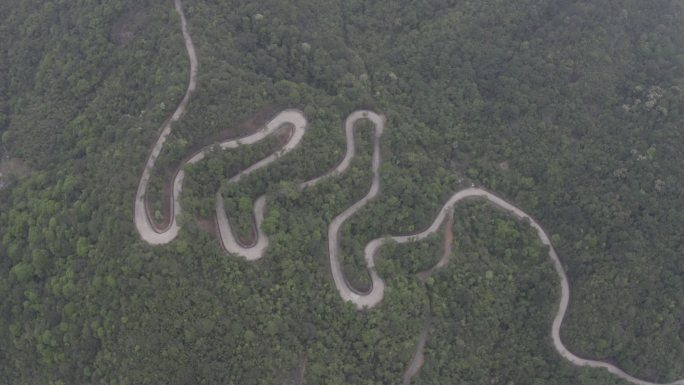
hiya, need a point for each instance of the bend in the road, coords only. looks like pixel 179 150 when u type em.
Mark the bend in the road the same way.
pixel 478 193
pixel 152 235
pixel 143 222
pixel 258 249
pixel 377 289
pixel 226 234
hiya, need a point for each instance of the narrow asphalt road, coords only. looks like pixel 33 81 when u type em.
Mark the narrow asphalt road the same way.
pixel 152 235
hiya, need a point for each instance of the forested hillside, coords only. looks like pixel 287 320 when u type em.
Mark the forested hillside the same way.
pixel 571 109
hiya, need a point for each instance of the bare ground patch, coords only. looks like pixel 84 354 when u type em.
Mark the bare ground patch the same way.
pixel 128 25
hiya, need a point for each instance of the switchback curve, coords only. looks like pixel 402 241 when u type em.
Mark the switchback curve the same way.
pixel 155 236
pixel 257 250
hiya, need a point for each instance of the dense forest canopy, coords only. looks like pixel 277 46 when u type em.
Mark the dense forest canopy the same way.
pixel 571 109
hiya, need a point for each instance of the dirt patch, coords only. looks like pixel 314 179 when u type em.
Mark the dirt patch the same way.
pixel 460 162
pixel 448 240
pixel 359 281
pixel 128 25
pixel 504 165
pixel 248 127
pixel 14 167
pixel 419 356
pixel 207 225
pixel 293 376
pixel 247 240
pixel 283 134
pixel 300 377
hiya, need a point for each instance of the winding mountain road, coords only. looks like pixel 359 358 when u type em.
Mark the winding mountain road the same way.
pixel 156 236
pixel 256 251
pixel 146 228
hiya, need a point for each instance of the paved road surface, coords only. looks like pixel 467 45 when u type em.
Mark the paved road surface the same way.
pixel 152 235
